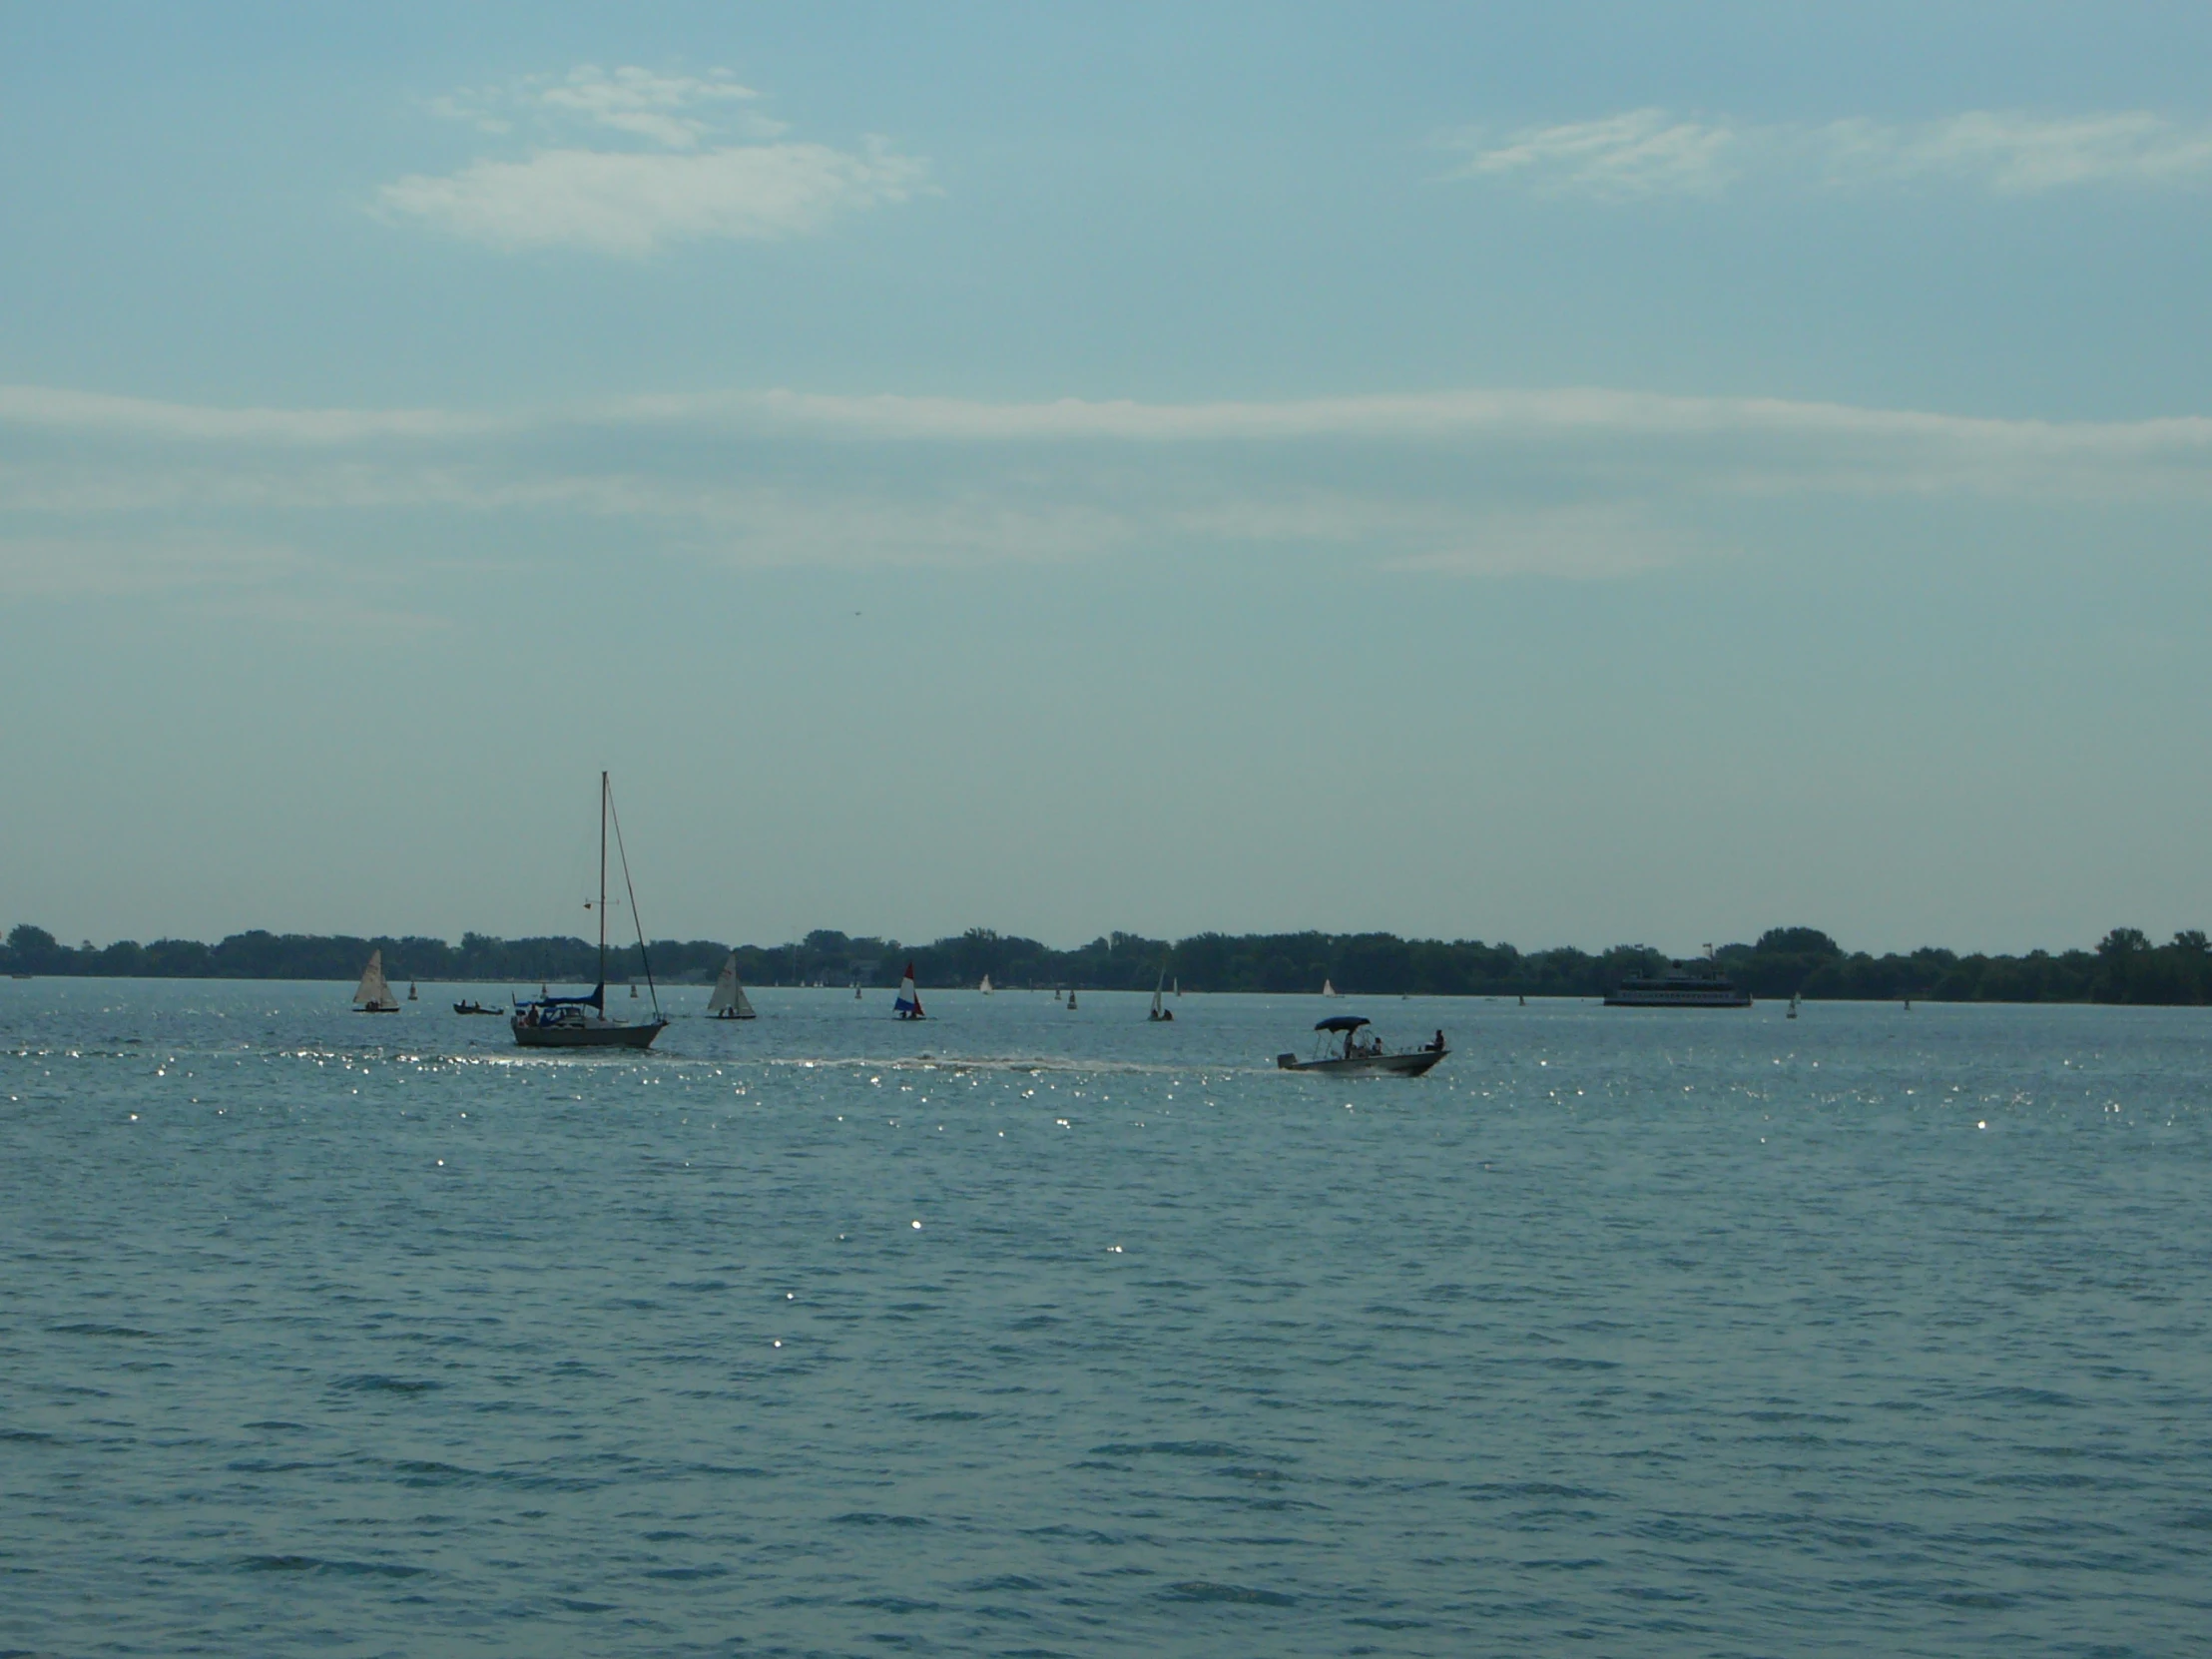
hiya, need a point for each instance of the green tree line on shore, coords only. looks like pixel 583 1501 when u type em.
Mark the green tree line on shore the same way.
pixel 2126 967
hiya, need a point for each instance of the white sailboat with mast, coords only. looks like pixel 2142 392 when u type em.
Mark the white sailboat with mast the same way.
pixel 583 1021
pixel 729 1000
pixel 373 995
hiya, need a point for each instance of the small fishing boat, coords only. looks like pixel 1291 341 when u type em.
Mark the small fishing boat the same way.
pixel 475 1008
pixel 372 995
pixel 583 1021
pixel 1344 1053
pixel 908 1005
pixel 729 1000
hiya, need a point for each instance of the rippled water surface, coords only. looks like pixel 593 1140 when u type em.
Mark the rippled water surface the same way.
pixel 1623 1333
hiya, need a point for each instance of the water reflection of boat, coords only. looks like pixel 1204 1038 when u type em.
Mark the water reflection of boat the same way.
pixel 583 1021
pixel 1354 1057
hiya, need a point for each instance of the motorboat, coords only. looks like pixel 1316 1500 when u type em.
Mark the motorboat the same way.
pixel 1342 1052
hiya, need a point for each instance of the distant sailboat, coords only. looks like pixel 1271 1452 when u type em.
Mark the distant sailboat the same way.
pixel 986 986
pixel 1071 996
pixel 1056 993
pixel 729 1001
pixel 1179 988
pixel 908 1005
pixel 1327 989
pixel 1793 1005
pixel 411 997
pixel 372 995
pixel 1158 1012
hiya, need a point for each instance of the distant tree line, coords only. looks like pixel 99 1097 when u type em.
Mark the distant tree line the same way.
pixel 2126 967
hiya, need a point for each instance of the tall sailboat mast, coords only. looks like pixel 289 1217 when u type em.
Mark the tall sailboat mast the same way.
pixel 602 878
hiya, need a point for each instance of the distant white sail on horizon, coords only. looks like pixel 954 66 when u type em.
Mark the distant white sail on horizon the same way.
pixel 986 986
pixel 1327 989
pixel 729 1000
pixel 372 995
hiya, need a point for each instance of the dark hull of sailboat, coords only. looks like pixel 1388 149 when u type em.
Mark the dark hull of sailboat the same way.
pixel 732 1013
pixel 1415 1064
pixel 588 1037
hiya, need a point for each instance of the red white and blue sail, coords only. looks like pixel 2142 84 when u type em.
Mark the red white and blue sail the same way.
pixel 908 1005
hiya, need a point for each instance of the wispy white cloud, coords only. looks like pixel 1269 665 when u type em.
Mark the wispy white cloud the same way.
pixel 665 169
pixel 678 112
pixel 1651 151
pixel 621 201
pixel 1575 483
pixel 1637 153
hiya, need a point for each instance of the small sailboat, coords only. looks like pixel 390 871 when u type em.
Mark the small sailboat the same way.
pixel 729 1001
pixel 1158 1012
pixel 986 986
pixel 1793 1005
pixel 1071 997
pixel 1179 988
pixel 1056 993
pixel 583 1021
pixel 372 995
pixel 908 1005
pixel 855 990
pixel 1327 989
pixel 411 997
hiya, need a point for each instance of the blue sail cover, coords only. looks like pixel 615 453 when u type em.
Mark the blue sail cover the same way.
pixel 597 999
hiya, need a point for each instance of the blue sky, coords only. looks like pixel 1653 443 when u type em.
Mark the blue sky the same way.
pixel 1564 474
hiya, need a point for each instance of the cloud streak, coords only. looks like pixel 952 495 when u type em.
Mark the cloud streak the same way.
pixel 631 163
pixel 1577 483
pixel 1648 152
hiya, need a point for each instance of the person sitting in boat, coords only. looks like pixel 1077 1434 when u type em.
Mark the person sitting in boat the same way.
pixel 1437 1045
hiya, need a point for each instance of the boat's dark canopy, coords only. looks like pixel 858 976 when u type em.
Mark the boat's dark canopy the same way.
pixel 597 999
pixel 1341 1022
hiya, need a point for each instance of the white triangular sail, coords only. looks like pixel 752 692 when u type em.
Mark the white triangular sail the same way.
pixel 729 1000
pixel 986 986
pixel 1327 989
pixel 372 995
pixel 1155 1002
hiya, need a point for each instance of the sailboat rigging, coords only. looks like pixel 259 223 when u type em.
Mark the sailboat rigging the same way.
pixel 729 1000
pixel 1159 1011
pixel 583 1021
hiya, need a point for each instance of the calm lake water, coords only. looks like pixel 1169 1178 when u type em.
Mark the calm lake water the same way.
pixel 1623 1333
